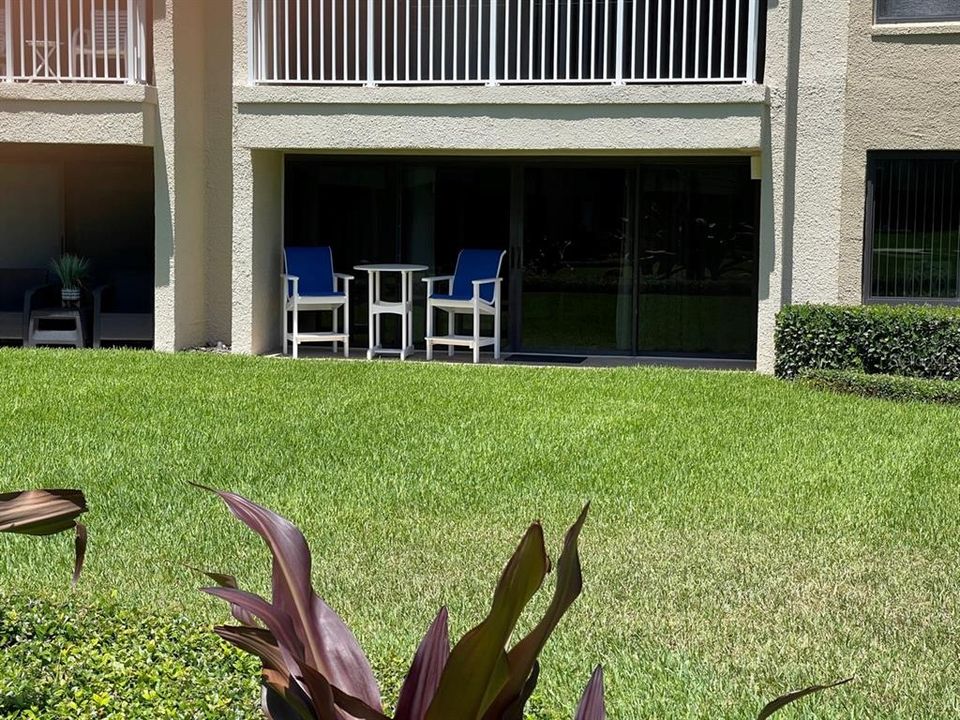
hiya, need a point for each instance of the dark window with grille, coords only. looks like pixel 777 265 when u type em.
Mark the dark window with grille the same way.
pixel 917 10
pixel 913 228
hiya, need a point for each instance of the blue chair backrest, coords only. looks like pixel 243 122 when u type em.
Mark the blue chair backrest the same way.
pixel 476 265
pixel 314 267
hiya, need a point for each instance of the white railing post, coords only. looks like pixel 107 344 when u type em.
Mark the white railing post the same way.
pixel 252 21
pixel 8 37
pixel 620 28
pixel 492 78
pixel 131 52
pixel 144 28
pixel 371 79
pixel 753 41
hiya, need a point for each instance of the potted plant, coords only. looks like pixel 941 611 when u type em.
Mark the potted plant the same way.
pixel 71 270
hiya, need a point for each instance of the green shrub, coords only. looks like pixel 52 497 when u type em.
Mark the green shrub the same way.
pixel 906 340
pixel 62 661
pixel 889 387
pixel 67 660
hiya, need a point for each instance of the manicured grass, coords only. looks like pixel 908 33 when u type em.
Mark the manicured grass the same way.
pixel 747 536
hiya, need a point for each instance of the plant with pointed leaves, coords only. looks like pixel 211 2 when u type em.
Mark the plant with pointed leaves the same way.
pixel 314 669
pixel 71 270
pixel 46 512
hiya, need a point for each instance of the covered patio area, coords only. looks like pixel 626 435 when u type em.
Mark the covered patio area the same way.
pixel 93 202
pixel 608 260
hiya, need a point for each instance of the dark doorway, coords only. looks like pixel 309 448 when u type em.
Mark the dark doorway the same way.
pixel 93 201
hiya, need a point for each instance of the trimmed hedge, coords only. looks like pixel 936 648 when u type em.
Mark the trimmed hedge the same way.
pixel 905 340
pixel 888 387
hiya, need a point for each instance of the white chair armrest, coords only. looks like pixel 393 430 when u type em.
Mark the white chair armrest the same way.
pixel 430 281
pixel 477 284
pixel 342 279
pixel 289 292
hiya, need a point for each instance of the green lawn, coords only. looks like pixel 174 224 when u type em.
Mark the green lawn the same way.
pixel 747 536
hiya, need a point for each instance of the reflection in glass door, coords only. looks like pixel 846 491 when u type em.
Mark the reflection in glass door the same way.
pixel 577 260
pixel 696 259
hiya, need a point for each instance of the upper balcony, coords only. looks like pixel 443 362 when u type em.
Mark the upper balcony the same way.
pixel 495 42
pixel 74 41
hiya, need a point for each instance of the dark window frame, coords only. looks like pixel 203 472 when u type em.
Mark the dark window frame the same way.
pixel 880 19
pixel 873 158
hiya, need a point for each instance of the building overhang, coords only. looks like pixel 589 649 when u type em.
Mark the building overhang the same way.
pixel 560 120
pixel 78 113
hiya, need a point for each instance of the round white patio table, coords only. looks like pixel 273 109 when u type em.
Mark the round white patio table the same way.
pixel 379 306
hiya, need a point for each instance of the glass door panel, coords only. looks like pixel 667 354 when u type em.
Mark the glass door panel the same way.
pixel 696 259
pixel 577 272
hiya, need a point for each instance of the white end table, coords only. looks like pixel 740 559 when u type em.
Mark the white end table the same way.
pixel 380 307
pixel 43 56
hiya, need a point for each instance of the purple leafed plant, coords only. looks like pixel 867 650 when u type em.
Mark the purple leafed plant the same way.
pixel 314 669
pixel 46 512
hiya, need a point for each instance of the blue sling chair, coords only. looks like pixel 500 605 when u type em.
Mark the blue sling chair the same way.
pixel 310 285
pixel 473 289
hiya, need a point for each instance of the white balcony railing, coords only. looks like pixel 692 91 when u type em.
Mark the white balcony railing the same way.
pixel 430 42
pixel 73 41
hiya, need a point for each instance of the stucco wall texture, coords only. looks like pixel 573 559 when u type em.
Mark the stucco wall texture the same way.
pixel 903 93
pixel 835 87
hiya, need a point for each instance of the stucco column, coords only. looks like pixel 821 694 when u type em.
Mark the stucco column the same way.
pixel 241 29
pixel 771 251
pixel 801 218
pixel 257 240
pixel 257 218
pixel 218 166
pixel 179 174
pixel 774 251
pixel 820 130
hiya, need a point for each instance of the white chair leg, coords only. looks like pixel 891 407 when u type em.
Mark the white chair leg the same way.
pixel 283 313
pixel 476 333
pixel 451 331
pixel 346 327
pixel 428 338
pixel 296 333
pixel 496 334
pixel 336 345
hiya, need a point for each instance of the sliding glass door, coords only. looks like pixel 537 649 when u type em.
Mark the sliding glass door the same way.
pixel 647 258
pixel 626 257
pixel 696 249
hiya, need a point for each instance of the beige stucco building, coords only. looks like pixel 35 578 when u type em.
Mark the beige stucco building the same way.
pixel 665 174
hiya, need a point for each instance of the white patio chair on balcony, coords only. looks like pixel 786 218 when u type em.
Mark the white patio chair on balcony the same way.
pixel 311 285
pixel 473 289
pixel 102 39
